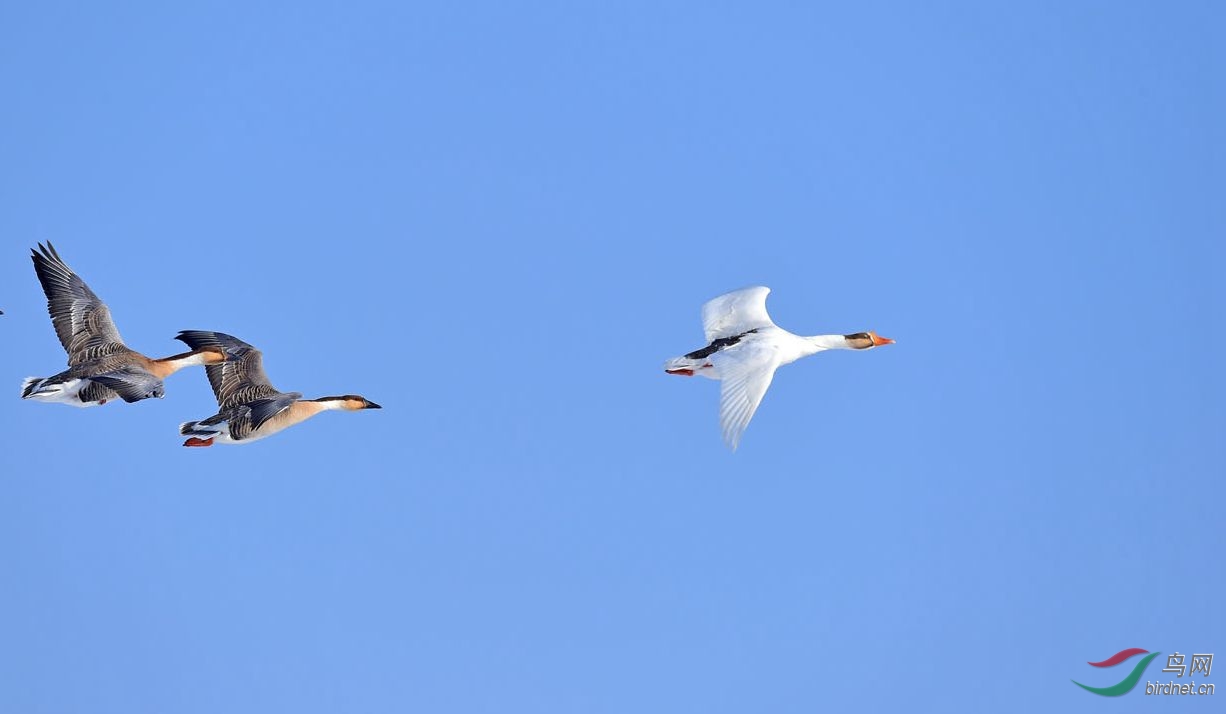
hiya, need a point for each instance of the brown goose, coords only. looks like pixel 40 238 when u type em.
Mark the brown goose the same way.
pixel 100 365
pixel 251 408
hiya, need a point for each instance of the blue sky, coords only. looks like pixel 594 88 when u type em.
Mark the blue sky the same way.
pixel 497 221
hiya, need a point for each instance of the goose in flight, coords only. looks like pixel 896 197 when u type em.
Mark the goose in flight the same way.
pixel 100 366
pixel 745 348
pixel 250 407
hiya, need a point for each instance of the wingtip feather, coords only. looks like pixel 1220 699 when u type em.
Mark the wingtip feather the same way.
pixel 27 386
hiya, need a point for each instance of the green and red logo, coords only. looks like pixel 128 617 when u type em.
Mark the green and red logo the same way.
pixel 1126 684
pixel 1201 663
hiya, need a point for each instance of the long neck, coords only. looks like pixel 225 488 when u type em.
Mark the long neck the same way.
pixel 297 413
pixel 167 366
pixel 324 404
pixel 827 342
pixel 306 408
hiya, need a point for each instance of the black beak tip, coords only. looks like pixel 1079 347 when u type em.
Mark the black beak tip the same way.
pixel 372 405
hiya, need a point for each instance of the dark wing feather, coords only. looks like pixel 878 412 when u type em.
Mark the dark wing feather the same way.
pixel 96 392
pixel 131 384
pixel 82 321
pixel 264 409
pixel 237 419
pixel 241 378
pixel 244 419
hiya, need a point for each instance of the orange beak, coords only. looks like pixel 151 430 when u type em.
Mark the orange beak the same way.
pixel 879 340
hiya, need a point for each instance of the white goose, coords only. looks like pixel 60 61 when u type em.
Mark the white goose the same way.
pixel 746 348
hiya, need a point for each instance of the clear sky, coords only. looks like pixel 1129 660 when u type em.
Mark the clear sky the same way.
pixel 498 220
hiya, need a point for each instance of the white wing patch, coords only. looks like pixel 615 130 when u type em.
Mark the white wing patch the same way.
pixel 736 313
pixel 746 373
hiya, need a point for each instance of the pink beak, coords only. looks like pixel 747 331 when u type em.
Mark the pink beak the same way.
pixel 878 340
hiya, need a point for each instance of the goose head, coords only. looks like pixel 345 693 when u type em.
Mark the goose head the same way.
pixel 866 340
pixel 348 402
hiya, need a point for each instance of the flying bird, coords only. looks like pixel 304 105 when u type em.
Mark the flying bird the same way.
pixel 745 348
pixel 250 407
pixel 100 366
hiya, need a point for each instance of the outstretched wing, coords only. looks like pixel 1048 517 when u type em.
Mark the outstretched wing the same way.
pixel 736 313
pixel 82 321
pixel 238 380
pixel 745 375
